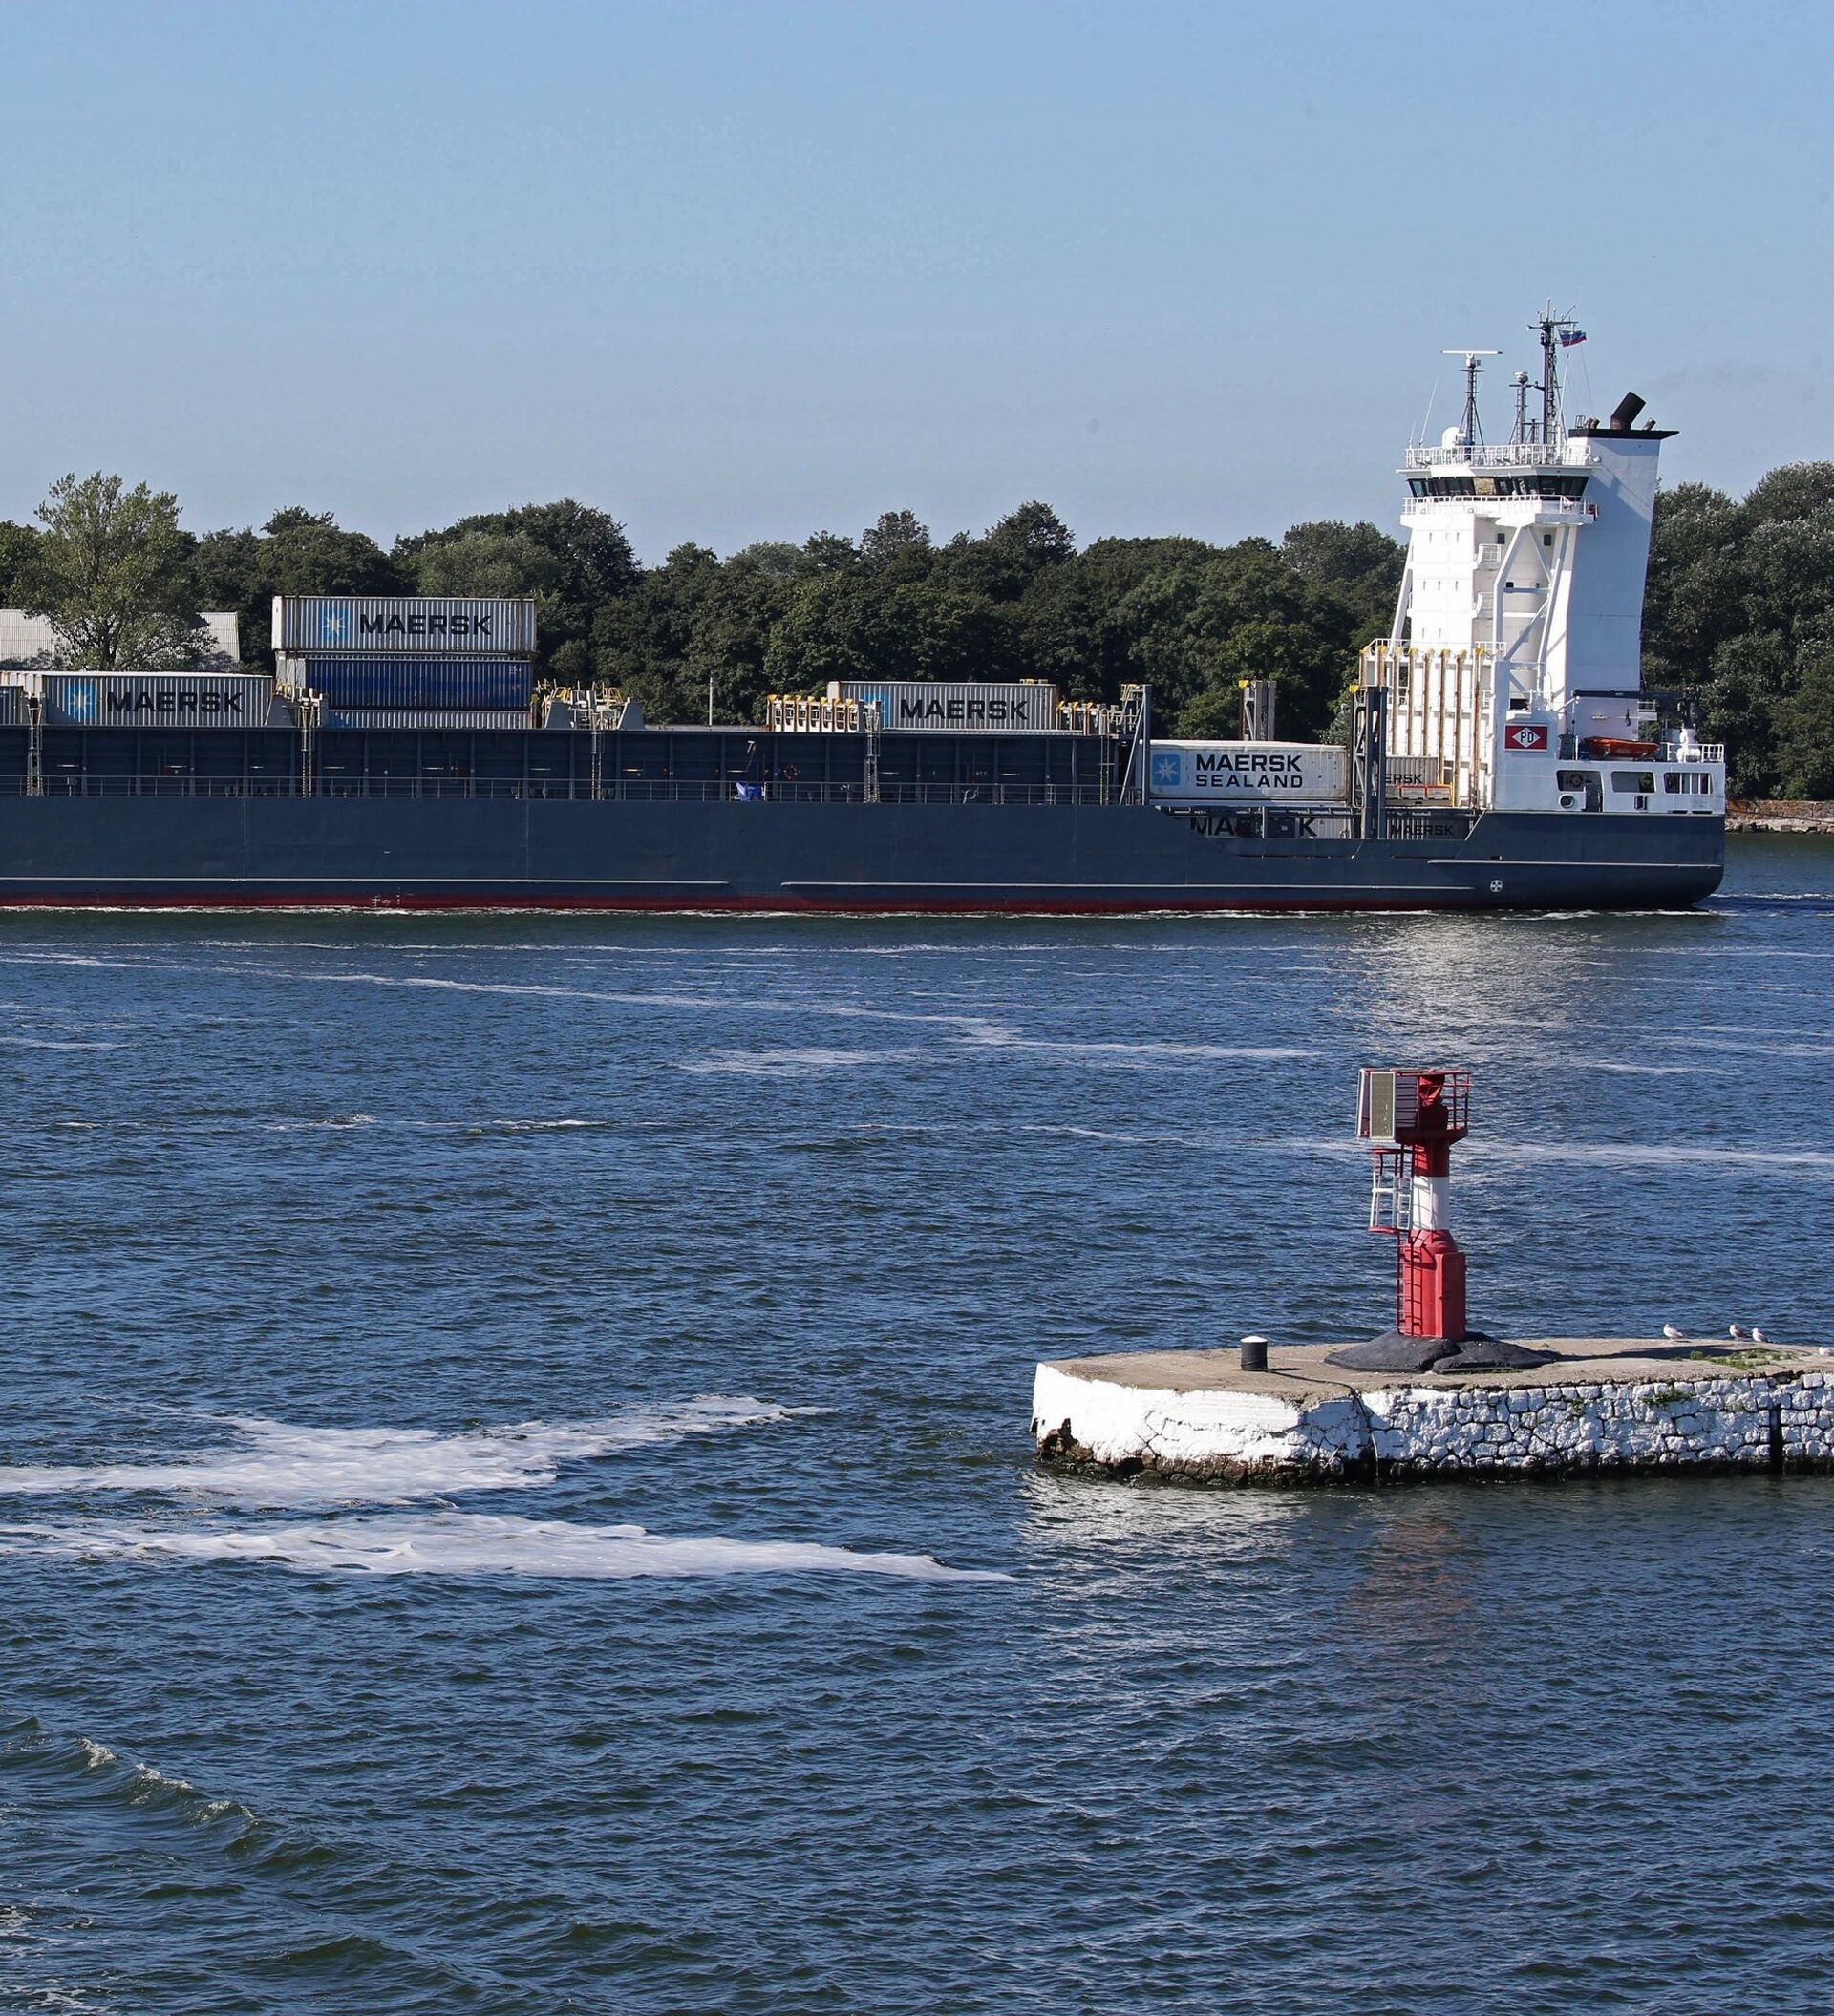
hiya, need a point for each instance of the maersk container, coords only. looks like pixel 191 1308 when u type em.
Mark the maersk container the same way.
pixel 411 682
pixel 156 699
pixel 1024 706
pixel 421 625
pixel 1250 773
pixel 428 717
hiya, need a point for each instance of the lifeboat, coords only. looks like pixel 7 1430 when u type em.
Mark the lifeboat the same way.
pixel 1614 749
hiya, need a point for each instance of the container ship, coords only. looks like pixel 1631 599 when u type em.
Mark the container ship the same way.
pixel 1501 754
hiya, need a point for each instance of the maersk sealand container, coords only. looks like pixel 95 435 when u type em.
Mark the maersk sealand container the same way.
pixel 410 681
pixel 420 624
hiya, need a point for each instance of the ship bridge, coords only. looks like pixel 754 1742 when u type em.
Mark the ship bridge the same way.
pixel 1518 630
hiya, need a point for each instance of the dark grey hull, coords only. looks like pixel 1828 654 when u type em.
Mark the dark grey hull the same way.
pixel 464 854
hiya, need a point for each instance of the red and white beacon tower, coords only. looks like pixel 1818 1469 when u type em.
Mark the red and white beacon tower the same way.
pixel 1411 1118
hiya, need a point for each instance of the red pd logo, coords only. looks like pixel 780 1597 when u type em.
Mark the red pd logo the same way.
pixel 1526 736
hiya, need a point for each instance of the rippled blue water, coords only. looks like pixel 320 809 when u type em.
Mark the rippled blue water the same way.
pixel 370 1279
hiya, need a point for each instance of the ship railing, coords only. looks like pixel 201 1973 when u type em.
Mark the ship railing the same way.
pixel 1502 455
pixel 574 790
pixel 1561 508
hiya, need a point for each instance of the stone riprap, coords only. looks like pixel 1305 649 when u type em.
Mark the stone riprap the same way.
pixel 1780 815
pixel 1602 1405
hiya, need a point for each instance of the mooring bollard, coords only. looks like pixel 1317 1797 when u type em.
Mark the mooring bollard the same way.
pixel 1254 1354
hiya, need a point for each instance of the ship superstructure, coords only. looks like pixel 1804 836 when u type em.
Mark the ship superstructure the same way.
pixel 1513 677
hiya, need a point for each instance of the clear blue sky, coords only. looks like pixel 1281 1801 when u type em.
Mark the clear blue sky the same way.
pixel 736 272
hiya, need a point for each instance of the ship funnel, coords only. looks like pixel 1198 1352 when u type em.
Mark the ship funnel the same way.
pixel 1625 412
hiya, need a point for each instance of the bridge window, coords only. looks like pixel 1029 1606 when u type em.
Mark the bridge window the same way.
pixel 1633 781
pixel 1581 783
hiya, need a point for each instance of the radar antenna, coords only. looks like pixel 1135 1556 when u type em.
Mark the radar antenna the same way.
pixel 1470 434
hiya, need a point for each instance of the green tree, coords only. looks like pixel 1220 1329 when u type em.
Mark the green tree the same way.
pixel 111 569
pixel 852 626
pixel 1738 619
pixel 296 552
pixel 829 553
pixel 573 559
pixel 489 564
pixel 1202 625
pixel 640 642
pixel 18 548
pixel 1009 557
pixel 896 540
pixel 1358 564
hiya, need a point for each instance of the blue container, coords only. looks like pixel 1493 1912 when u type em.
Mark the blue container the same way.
pixel 420 681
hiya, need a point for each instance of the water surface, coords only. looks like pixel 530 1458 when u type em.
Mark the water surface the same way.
pixel 515 1491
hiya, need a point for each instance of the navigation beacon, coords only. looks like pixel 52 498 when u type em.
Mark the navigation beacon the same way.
pixel 1411 1120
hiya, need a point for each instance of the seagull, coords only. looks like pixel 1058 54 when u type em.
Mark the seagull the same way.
pixel 1670 1331
pixel 1757 1336
pixel 1734 1332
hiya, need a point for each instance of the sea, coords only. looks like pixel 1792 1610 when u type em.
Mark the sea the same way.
pixel 515 1489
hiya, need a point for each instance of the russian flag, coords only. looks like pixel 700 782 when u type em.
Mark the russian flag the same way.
pixel 1569 337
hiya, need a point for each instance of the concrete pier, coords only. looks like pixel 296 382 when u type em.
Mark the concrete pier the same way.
pixel 1600 1405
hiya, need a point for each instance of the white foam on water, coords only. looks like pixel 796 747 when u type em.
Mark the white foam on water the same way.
pixel 531 1126
pixel 277 1463
pixel 464 1543
pixel 1109 1134
pixel 1640 1070
pixel 1147 1053
pixel 350 1120
pixel 52 1043
pixel 790 1063
pixel 1631 1154
pixel 1492 1154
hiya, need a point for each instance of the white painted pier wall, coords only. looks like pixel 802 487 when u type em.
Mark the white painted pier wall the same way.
pixel 1207 1423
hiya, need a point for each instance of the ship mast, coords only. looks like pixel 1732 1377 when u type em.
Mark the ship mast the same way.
pixel 1470 432
pixel 1548 327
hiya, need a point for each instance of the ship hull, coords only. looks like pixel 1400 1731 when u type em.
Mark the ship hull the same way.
pixel 412 853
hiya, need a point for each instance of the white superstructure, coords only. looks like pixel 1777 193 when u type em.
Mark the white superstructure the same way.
pixel 1513 671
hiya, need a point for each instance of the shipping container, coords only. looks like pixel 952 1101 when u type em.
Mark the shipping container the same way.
pixel 1021 706
pixel 29 642
pixel 1249 773
pixel 410 681
pixel 418 625
pixel 12 707
pixel 427 717
pixel 155 699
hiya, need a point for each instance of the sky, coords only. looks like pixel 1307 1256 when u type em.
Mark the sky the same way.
pixel 735 272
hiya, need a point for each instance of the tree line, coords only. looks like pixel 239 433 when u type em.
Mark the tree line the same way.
pixel 1738 618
